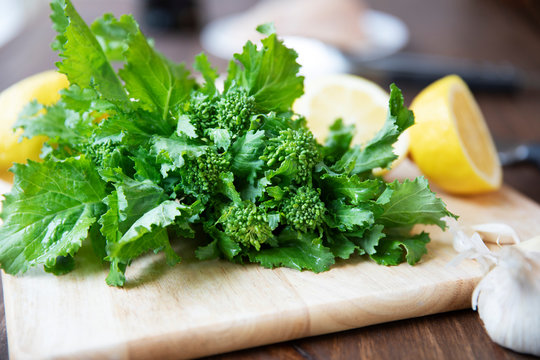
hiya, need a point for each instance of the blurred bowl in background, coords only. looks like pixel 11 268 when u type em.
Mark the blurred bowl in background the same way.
pixel 14 15
pixel 379 35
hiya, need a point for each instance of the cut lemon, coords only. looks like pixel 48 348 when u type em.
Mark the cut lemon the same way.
pixel 450 142
pixel 44 88
pixel 355 100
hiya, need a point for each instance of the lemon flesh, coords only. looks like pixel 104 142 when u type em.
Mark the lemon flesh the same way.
pixel 450 142
pixel 44 88
pixel 356 101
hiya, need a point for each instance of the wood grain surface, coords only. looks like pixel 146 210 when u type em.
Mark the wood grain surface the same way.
pixel 483 30
pixel 181 312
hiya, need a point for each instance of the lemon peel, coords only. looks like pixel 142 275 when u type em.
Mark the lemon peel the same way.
pixel 44 88
pixel 450 141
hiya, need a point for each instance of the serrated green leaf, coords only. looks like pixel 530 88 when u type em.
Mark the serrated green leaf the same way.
pixel 55 122
pixel 185 128
pixel 412 202
pixel 227 246
pixel 209 73
pixel 245 154
pixel 49 216
pixel 273 220
pixel 83 100
pixel 388 253
pixel 370 239
pixel 269 74
pixel 221 137
pixel 126 129
pixel 61 265
pixel 351 188
pixel 394 250
pixel 83 60
pixel 416 247
pixel 276 192
pixel 286 171
pixel 338 140
pixel 378 152
pixel 349 217
pixel 60 23
pixel 253 192
pixel 146 167
pixel 158 84
pixel 171 151
pixel 116 275
pixel 342 247
pixel 208 252
pixel 227 187
pixel 113 34
pixel 303 252
pixel 137 222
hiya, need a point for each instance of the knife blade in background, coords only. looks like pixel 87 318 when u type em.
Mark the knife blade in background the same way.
pixel 420 69
pixel 513 154
pixel 424 69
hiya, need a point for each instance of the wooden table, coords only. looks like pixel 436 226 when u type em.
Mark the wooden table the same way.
pixel 482 30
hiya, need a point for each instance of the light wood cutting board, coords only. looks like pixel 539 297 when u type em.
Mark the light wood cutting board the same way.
pixel 201 308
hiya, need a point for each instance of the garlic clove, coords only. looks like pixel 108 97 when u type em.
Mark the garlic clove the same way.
pixel 472 248
pixel 499 233
pixel 508 300
pixel 531 245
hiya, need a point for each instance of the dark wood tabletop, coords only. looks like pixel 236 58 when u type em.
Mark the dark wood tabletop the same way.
pixel 484 31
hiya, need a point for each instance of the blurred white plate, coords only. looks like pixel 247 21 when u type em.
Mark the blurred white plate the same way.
pixel 384 35
pixel 15 14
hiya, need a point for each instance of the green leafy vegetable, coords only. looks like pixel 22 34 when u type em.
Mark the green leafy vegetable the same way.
pixel 136 155
pixel 49 212
pixel 84 61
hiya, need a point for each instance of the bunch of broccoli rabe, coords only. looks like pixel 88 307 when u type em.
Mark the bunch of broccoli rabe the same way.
pixel 143 155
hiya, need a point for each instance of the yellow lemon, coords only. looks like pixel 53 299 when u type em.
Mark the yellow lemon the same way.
pixel 352 98
pixel 44 88
pixel 450 142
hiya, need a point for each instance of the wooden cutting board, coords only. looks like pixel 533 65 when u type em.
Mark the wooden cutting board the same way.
pixel 201 308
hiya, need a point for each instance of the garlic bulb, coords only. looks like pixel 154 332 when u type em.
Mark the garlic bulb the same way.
pixel 508 300
pixel 508 297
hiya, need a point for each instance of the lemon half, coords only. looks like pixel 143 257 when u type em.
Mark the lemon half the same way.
pixel 450 142
pixel 44 88
pixel 352 98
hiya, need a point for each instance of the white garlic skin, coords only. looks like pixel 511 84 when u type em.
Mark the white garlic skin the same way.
pixel 508 300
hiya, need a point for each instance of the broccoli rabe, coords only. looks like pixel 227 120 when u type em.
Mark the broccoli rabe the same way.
pixel 175 157
pixel 231 111
pixel 201 112
pixel 297 147
pixel 200 175
pixel 247 224
pixel 98 152
pixel 304 209
pixel 234 110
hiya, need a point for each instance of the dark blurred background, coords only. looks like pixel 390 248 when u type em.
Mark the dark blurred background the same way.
pixel 497 35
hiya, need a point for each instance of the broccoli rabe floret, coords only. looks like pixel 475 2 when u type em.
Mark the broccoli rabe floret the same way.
pixel 297 146
pixel 201 175
pixel 246 223
pixel 304 210
pixel 98 152
pixel 231 111
pixel 202 112
pixel 234 110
